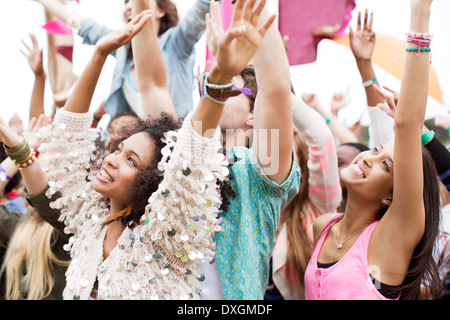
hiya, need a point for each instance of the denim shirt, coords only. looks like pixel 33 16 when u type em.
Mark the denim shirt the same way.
pixel 178 51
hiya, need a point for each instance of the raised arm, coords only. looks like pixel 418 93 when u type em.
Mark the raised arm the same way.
pixel 34 57
pixel 362 44
pixel 80 99
pixel 273 130
pixel 341 133
pixel 234 51
pixel 406 215
pixel 151 71
pixel 78 102
pixel 63 12
pixel 324 186
pixel 190 29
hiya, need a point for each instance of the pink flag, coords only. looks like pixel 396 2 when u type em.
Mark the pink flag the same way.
pixel 66 51
pixel 57 27
pixel 226 11
pixel 298 19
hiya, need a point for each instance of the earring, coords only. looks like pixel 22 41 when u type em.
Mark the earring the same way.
pixel 385 202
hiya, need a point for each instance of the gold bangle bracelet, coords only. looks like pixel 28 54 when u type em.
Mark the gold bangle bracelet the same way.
pixel 27 162
pixel 15 149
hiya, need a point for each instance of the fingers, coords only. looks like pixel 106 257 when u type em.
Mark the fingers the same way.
pixel 395 93
pixel 214 10
pixel 386 109
pixel 238 9
pixel 248 10
pixel 391 101
pixel 31 124
pixel 257 12
pixel 34 41
pixel 366 18
pixel 263 30
pixel 231 34
pixel 370 24
pixel 378 90
pixel 358 24
pixel 39 122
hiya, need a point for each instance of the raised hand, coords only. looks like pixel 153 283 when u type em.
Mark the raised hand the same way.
pixel 8 136
pixel 31 134
pixel 122 36
pixel 34 56
pixel 237 46
pixel 391 101
pixel 362 42
pixel 339 101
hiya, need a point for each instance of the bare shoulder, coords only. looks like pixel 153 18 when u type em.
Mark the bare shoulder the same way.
pixel 320 223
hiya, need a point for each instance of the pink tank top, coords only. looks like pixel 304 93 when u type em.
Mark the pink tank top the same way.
pixel 347 279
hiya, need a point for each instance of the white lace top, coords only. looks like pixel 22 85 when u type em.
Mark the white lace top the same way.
pixel 158 259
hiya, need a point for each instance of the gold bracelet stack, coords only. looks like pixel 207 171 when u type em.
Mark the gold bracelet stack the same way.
pixel 23 156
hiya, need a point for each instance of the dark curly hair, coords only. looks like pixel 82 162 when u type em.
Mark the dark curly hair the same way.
pixel 147 180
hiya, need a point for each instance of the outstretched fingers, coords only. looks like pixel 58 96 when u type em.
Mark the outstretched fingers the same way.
pixel 238 10
pixel 257 13
pixel 248 10
pixel 263 30
pixel 138 22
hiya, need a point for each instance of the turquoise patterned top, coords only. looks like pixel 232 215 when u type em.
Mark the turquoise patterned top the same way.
pixel 244 249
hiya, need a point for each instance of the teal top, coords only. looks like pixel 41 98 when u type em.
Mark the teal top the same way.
pixel 244 248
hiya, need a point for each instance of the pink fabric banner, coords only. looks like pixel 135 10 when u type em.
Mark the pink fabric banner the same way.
pixel 57 27
pixel 298 19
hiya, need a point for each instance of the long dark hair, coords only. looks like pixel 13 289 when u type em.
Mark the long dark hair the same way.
pixel 171 17
pixel 423 268
pixel 294 216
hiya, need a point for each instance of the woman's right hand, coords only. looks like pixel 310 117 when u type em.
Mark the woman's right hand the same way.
pixel 8 136
pixel 122 36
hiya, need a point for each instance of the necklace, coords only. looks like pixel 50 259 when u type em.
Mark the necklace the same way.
pixel 339 245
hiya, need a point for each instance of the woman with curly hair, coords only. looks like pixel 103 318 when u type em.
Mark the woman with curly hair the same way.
pixel 138 246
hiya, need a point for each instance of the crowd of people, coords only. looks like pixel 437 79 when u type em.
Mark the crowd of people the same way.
pixel 256 193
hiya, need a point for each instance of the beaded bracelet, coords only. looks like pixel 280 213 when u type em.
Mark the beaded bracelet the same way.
pixel 218 86
pixel 423 40
pixel 3 175
pixel 222 91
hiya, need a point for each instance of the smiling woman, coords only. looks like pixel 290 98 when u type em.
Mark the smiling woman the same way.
pixel 142 218
pixel 385 237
